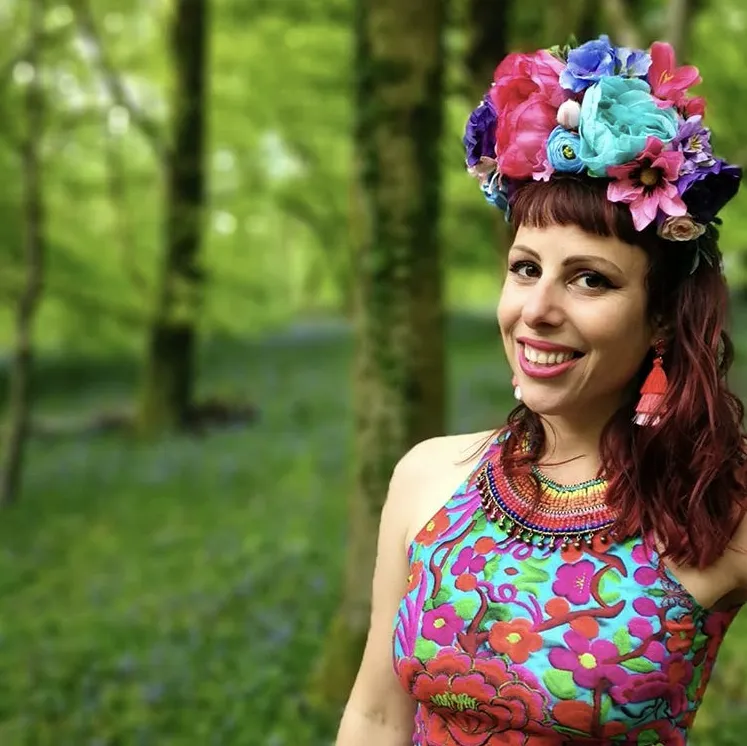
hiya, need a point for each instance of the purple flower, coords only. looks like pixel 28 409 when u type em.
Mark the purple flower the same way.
pixel 479 135
pixel 632 63
pixel 588 63
pixel 707 189
pixel 442 624
pixel 468 561
pixel 573 582
pixel 694 140
pixel 588 661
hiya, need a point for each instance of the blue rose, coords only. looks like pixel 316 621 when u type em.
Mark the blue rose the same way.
pixel 588 63
pixel 617 116
pixel 562 151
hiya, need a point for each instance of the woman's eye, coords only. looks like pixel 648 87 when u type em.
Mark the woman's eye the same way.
pixel 593 281
pixel 525 269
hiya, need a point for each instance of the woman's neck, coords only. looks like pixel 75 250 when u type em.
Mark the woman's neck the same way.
pixel 573 447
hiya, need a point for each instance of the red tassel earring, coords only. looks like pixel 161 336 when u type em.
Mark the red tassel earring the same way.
pixel 649 410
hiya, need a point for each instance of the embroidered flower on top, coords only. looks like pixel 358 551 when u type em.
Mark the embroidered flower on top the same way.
pixel 607 112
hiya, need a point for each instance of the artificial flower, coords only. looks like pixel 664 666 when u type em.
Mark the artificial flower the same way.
pixel 479 136
pixel 680 228
pixel 632 63
pixel 694 140
pixel 618 115
pixel 647 184
pixel 569 113
pixel 669 82
pixel 521 75
pixel 588 63
pixel 562 151
pixel 522 134
pixel 708 190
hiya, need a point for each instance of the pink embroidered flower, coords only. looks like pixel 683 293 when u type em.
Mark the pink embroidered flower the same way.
pixel 574 582
pixel 588 661
pixel 669 82
pixel 442 624
pixel 468 561
pixel 526 95
pixel 647 184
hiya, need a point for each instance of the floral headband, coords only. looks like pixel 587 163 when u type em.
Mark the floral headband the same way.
pixel 610 112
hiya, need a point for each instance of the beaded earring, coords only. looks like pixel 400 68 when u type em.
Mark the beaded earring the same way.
pixel 649 410
pixel 517 388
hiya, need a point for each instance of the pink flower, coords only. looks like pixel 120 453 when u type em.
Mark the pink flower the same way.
pixel 669 82
pixel 574 582
pixel 647 184
pixel 590 662
pixel 442 624
pixel 526 96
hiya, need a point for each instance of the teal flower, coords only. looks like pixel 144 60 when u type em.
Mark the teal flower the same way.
pixel 617 116
pixel 562 151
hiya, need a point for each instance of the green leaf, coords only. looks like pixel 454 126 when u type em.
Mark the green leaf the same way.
pixel 425 649
pixel 532 574
pixel 622 640
pixel 497 613
pixel 639 665
pixel 604 710
pixel 560 684
pixel 607 592
pixel 491 567
pixel 466 607
pixel 443 596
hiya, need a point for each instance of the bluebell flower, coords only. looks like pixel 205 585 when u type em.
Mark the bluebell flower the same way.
pixel 588 63
pixel 562 151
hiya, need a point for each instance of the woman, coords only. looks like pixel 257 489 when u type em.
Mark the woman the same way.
pixel 572 580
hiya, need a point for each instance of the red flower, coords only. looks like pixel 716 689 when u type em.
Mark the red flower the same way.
pixel 433 529
pixel 526 96
pixel 682 632
pixel 515 639
pixel 416 573
pixel 661 731
pixel 580 717
pixel 669 82
pixel 467 702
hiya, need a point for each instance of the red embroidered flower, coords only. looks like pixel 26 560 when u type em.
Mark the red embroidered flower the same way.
pixel 682 632
pixel 515 639
pixel 416 573
pixel 580 716
pixel 660 731
pixel 433 529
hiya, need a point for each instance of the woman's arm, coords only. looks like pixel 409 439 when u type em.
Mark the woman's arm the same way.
pixel 379 710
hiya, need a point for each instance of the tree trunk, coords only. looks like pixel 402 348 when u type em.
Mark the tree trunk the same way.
pixel 488 43
pixel 19 396
pixel 399 365
pixel 168 385
pixel 679 18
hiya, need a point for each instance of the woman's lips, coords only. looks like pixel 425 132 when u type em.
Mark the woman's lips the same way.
pixel 543 370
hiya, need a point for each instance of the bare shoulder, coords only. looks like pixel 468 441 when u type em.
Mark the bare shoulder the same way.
pixel 429 474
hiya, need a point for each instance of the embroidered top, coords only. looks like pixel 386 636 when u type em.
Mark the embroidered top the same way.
pixel 501 641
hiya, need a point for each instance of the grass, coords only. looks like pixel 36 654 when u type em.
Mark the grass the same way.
pixel 177 592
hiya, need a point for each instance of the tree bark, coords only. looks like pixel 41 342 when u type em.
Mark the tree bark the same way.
pixel 168 382
pixel 20 394
pixel 488 42
pixel 399 364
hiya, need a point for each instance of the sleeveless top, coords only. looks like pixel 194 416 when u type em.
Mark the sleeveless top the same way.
pixel 501 642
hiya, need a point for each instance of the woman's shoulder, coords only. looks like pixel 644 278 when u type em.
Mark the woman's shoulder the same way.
pixel 431 472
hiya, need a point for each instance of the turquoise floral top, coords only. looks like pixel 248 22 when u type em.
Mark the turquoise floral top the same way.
pixel 501 642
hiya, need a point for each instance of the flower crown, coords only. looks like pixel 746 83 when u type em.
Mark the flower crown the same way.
pixel 610 112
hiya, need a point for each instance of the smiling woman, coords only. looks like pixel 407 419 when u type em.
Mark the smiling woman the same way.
pixel 573 578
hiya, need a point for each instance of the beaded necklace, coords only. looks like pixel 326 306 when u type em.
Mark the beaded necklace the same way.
pixel 565 515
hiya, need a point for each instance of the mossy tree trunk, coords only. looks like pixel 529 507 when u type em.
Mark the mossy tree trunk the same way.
pixel 21 369
pixel 399 364
pixel 168 382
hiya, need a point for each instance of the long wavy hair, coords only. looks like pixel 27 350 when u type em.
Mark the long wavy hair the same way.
pixel 685 480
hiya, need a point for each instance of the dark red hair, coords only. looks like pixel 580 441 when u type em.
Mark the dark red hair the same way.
pixel 684 481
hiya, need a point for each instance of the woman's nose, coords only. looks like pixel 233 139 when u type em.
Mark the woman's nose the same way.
pixel 542 305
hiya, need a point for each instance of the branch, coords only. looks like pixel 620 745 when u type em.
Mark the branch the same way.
pixel 113 81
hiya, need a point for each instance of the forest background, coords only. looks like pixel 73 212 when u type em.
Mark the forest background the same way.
pixel 232 294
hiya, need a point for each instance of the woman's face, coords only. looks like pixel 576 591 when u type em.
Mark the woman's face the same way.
pixel 573 317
